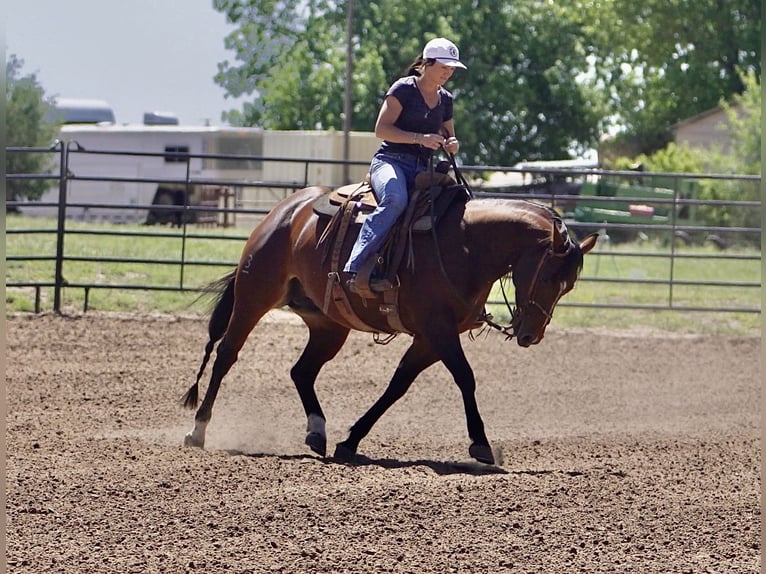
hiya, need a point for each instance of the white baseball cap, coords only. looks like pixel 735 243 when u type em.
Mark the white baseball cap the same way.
pixel 443 51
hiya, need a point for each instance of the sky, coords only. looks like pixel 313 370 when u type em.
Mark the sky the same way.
pixel 137 55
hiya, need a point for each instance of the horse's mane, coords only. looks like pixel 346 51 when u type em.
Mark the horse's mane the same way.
pixel 573 260
pixel 529 212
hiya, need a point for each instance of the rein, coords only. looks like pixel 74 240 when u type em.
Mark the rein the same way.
pixel 549 253
pixel 459 177
pixel 517 312
pixel 458 174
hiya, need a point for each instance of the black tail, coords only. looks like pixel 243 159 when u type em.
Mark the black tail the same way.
pixel 216 328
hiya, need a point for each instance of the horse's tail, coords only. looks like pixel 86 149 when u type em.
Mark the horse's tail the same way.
pixel 216 328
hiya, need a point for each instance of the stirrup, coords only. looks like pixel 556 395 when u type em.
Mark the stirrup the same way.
pixel 376 285
pixel 380 285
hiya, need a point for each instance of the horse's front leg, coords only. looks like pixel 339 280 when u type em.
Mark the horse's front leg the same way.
pixel 417 358
pixel 325 340
pixel 451 353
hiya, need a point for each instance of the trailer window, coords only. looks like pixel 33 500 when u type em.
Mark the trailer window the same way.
pixel 176 153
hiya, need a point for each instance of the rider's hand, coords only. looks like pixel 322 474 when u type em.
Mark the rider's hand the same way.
pixel 431 141
pixel 451 145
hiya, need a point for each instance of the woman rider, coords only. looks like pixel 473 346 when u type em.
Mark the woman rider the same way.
pixel 414 121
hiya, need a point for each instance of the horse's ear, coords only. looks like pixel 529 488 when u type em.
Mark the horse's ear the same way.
pixel 588 243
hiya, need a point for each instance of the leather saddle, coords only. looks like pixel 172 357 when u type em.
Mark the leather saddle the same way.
pixel 365 201
pixel 346 207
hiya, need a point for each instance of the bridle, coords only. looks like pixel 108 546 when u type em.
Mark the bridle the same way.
pixel 516 312
pixel 531 301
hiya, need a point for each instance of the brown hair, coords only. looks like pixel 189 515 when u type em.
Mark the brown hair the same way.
pixel 417 65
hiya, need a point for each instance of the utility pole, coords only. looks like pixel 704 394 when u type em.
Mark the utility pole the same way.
pixel 348 89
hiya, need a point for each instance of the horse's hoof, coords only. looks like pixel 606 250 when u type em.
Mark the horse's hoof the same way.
pixel 317 442
pixel 344 453
pixel 482 453
pixel 189 440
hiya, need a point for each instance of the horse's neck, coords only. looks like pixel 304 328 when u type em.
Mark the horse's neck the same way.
pixel 508 229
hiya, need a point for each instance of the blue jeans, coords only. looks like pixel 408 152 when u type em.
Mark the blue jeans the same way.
pixel 391 175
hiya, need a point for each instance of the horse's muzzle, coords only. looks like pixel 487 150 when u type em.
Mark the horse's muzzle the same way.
pixel 526 340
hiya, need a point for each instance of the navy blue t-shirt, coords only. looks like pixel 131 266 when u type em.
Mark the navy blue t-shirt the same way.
pixel 416 116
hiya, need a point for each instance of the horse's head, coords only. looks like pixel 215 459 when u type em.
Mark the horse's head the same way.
pixel 541 277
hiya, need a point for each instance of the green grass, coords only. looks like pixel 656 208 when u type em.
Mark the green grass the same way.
pixel 168 250
pixel 610 262
pixel 638 262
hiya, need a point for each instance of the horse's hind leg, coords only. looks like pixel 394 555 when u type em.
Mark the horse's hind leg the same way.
pixel 249 306
pixel 325 340
pixel 226 356
pixel 417 358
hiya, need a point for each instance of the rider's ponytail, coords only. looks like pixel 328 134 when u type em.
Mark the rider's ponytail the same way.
pixel 416 68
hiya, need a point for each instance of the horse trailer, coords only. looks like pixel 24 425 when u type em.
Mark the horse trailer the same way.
pixel 117 172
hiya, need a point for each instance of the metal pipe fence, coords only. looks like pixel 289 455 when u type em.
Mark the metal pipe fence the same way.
pixel 685 242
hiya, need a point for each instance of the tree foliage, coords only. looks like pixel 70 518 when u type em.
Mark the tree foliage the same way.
pixel 662 61
pixel 544 79
pixel 25 108
pixel 744 158
pixel 744 115
pixel 519 99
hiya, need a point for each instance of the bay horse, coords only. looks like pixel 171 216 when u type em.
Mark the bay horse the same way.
pixel 440 296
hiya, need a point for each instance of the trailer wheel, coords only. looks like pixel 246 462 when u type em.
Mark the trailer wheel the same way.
pixel 683 237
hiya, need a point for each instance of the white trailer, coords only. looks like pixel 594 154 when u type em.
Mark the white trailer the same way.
pixel 162 172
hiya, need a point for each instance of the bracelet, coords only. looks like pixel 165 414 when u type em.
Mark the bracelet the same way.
pixel 415 136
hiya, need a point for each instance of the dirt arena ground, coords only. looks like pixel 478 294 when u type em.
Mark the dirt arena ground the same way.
pixel 618 452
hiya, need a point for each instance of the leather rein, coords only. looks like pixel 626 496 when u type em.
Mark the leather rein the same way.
pixel 517 312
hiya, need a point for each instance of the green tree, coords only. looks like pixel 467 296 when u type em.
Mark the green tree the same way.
pixel 743 157
pixel 25 108
pixel 544 79
pixel 662 61
pixel 521 97
pixel 744 115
